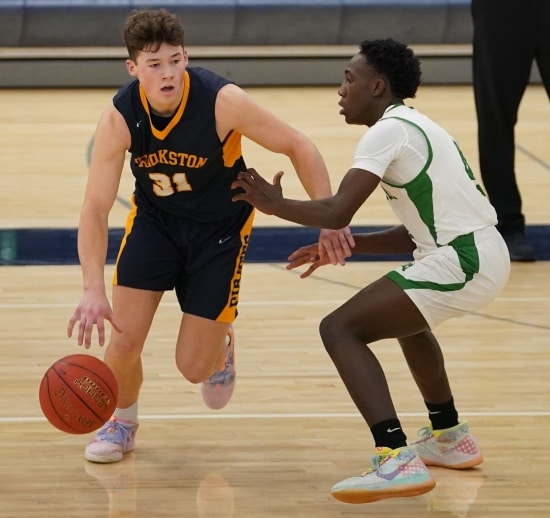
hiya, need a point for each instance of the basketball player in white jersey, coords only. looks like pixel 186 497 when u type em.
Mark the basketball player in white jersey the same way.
pixel 460 263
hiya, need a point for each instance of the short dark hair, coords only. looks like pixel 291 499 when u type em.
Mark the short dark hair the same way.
pixel 397 62
pixel 148 29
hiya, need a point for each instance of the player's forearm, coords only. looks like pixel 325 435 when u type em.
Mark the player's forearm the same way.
pixel 92 250
pixel 312 171
pixel 395 240
pixel 320 213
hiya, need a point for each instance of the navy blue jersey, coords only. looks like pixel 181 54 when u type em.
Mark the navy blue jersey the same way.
pixel 183 168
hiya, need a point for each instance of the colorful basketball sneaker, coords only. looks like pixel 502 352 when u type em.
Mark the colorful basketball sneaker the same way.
pixel 394 473
pixel 454 447
pixel 217 391
pixel 112 441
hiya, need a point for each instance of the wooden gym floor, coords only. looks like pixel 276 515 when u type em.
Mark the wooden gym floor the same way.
pixel 291 430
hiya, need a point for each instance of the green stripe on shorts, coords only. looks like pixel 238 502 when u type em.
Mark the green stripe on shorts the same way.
pixel 468 257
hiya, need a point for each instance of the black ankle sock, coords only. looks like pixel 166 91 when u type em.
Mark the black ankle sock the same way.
pixel 442 415
pixel 389 434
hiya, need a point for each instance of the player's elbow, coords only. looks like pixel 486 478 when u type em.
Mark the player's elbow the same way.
pixel 337 219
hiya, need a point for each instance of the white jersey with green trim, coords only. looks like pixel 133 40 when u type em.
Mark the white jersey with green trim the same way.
pixel 427 180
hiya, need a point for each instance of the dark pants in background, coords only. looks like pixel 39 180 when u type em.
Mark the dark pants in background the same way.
pixel 509 35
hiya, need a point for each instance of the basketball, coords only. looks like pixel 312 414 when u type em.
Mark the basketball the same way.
pixel 78 393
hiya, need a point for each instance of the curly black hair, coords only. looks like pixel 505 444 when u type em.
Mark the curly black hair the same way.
pixel 397 62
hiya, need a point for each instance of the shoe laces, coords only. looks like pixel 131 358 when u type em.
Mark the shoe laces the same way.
pixel 224 376
pixel 114 432
pixel 378 459
pixel 426 432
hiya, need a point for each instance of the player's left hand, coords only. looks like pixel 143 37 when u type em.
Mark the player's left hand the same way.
pixel 308 254
pixel 257 191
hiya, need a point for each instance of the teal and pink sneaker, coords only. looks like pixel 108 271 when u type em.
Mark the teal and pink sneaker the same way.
pixel 394 473
pixel 115 438
pixel 218 389
pixel 454 448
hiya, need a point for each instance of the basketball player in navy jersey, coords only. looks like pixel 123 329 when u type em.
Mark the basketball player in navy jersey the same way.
pixel 183 128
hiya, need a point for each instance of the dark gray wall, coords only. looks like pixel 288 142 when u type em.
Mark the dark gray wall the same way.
pixel 41 40
pixel 29 23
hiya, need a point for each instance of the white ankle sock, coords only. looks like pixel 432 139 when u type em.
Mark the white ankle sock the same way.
pixel 128 414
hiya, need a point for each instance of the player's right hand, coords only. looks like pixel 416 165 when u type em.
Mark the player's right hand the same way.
pixel 92 310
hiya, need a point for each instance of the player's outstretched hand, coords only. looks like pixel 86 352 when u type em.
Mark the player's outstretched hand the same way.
pixel 257 191
pixel 308 254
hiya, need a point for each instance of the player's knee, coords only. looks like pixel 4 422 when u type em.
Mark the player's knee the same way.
pixel 194 371
pixel 123 346
pixel 337 329
pixel 331 331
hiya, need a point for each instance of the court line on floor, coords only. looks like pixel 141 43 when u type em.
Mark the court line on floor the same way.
pixel 533 157
pixel 63 305
pixel 297 415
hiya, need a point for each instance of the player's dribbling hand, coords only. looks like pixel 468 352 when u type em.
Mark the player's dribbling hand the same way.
pixel 92 310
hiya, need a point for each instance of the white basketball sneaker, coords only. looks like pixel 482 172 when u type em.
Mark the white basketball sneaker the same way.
pixel 454 447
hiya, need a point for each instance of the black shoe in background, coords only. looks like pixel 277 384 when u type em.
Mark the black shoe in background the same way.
pixel 520 249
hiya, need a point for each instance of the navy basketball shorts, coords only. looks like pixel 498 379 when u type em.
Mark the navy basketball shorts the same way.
pixel 201 261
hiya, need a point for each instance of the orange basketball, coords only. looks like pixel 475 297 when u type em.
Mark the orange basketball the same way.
pixel 78 393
